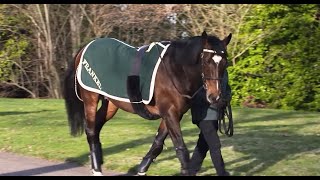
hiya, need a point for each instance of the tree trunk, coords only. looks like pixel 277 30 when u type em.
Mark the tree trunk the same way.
pixel 75 24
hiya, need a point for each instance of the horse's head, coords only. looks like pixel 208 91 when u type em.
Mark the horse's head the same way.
pixel 213 62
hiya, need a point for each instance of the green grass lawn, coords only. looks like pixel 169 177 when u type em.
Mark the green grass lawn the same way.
pixel 265 142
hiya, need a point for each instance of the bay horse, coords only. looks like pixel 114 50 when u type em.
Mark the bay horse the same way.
pixel 186 66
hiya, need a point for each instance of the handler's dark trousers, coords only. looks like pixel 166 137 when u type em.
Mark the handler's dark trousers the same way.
pixel 208 134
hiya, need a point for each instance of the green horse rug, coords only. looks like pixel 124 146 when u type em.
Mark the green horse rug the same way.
pixel 106 64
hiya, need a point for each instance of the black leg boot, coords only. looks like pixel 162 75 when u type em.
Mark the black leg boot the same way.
pixel 198 155
pixel 209 130
pixel 218 163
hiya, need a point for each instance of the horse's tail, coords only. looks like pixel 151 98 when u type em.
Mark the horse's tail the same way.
pixel 74 106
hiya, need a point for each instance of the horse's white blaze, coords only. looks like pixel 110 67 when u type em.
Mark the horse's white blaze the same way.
pixel 217 58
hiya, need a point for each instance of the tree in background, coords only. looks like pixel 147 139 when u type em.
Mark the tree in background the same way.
pixel 13 46
pixel 273 50
pixel 220 20
pixel 57 31
pixel 132 23
pixel 283 69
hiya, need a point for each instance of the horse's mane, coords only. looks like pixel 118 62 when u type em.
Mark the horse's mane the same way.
pixel 187 51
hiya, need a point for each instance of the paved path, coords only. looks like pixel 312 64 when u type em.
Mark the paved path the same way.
pixel 18 165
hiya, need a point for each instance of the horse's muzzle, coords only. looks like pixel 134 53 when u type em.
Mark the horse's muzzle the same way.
pixel 212 98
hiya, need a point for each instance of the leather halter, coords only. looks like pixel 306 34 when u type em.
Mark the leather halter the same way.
pixel 204 78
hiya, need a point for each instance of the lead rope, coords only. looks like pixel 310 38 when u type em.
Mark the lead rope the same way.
pixel 222 122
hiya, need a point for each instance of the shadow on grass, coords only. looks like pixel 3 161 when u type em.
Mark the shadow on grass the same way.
pixel 42 170
pixel 248 115
pixel 9 113
pixel 123 147
pixel 262 145
pixel 265 145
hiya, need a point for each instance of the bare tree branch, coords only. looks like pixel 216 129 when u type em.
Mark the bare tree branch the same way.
pixel 21 87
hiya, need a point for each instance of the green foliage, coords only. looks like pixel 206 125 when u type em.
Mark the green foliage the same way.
pixel 14 44
pixel 284 68
pixel 5 69
pixel 12 51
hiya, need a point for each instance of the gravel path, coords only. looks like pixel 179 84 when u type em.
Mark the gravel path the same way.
pixel 18 165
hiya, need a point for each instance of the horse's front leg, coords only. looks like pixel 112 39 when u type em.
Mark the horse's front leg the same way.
pixel 94 122
pixel 172 121
pixel 155 149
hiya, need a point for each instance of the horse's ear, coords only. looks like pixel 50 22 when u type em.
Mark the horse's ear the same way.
pixel 204 37
pixel 226 40
pixel 204 34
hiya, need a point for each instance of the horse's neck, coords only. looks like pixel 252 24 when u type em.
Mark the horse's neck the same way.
pixel 186 78
pixel 193 73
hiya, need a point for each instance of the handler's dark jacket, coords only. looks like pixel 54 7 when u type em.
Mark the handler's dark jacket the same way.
pixel 202 110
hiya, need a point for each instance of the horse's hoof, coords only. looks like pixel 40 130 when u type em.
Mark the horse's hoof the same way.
pixel 142 174
pixel 185 172
pixel 144 165
pixel 96 173
pixel 226 173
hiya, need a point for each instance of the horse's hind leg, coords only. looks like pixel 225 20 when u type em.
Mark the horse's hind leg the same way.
pixel 94 122
pixel 100 121
pixel 155 149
